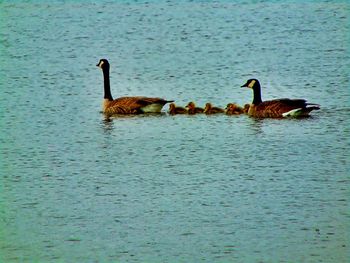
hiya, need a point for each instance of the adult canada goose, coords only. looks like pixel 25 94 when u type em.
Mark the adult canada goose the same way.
pixel 209 109
pixel 277 108
pixel 126 105
pixel 173 109
pixel 192 109
pixel 233 109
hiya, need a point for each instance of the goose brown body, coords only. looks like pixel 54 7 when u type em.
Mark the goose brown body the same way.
pixel 127 105
pixel 209 109
pixel 278 108
pixel 173 109
pixel 132 105
pixel 192 109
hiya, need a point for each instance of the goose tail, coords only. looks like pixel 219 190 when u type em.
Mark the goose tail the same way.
pixel 156 106
pixel 301 112
pixel 168 101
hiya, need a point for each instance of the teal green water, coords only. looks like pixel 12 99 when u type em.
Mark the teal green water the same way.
pixel 78 188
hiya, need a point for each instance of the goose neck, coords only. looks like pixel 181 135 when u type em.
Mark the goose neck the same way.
pixel 107 87
pixel 257 94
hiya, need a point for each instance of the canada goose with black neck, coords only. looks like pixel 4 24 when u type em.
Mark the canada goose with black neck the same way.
pixel 278 108
pixel 126 105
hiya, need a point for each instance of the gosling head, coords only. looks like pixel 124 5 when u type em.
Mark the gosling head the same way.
pixel 172 106
pixel 191 105
pixel 246 107
pixel 230 106
pixel 208 105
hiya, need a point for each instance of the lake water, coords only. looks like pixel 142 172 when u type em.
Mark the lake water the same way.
pixel 75 187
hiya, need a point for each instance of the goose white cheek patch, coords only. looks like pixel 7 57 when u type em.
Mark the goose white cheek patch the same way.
pixel 101 63
pixel 251 84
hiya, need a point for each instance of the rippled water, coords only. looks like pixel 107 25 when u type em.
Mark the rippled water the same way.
pixel 76 187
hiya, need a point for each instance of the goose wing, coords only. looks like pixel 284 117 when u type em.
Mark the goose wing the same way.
pixel 133 105
pixel 276 108
pixel 138 102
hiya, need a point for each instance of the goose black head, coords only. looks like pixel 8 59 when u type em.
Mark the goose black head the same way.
pixel 251 83
pixel 103 64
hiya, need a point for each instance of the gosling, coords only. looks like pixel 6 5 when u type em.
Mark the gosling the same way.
pixel 233 109
pixel 209 109
pixel 173 109
pixel 192 109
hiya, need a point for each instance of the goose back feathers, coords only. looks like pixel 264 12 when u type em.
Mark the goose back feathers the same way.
pixel 126 105
pixel 277 108
pixel 133 105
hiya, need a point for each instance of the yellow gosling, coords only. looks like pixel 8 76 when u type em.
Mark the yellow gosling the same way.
pixel 209 109
pixel 192 109
pixel 173 109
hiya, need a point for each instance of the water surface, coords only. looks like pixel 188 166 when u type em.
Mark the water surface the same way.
pixel 76 187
